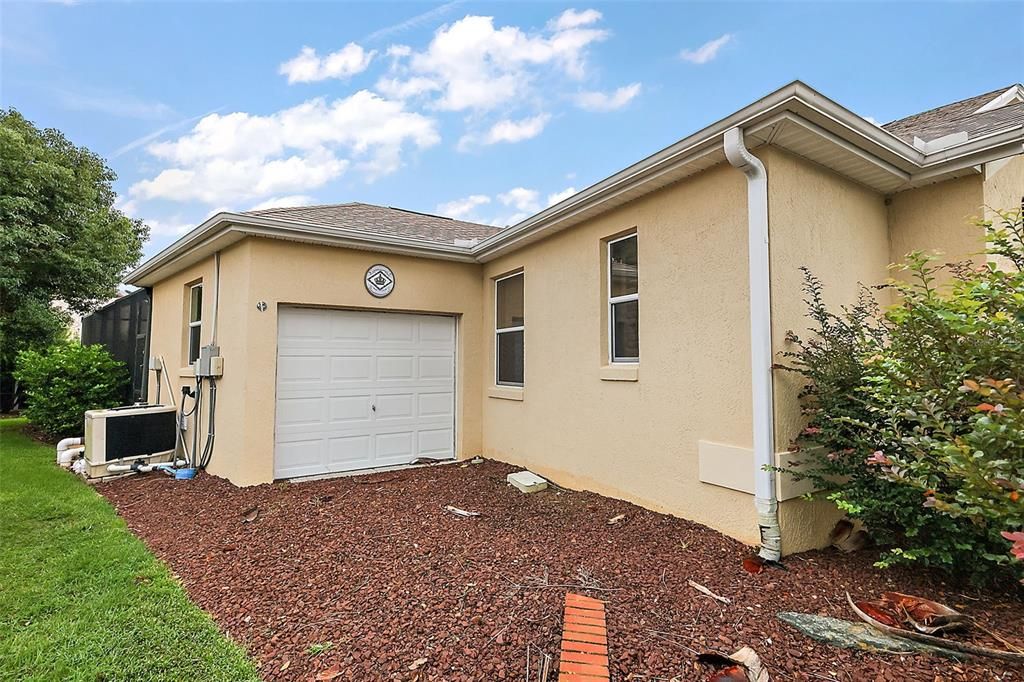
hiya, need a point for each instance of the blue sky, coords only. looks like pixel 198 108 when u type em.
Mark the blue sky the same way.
pixel 484 111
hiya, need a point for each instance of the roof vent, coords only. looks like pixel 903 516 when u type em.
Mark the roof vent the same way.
pixel 467 243
pixel 940 142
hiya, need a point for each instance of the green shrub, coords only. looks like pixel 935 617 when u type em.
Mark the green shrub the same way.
pixel 64 381
pixel 916 417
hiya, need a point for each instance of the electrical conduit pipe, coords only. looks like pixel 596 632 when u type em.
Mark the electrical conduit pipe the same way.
pixel 765 498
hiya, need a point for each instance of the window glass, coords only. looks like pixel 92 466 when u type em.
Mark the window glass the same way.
pixel 625 331
pixel 193 343
pixel 510 358
pixel 510 302
pixel 195 307
pixel 623 263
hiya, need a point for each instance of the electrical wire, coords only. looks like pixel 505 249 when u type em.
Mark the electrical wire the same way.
pixel 211 434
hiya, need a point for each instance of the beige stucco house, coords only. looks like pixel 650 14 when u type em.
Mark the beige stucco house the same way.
pixel 620 341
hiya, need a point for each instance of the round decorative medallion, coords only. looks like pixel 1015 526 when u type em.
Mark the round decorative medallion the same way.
pixel 379 280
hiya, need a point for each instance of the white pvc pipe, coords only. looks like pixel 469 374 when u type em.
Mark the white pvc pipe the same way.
pixel 143 468
pixel 765 498
pixel 67 443
pixel 67 449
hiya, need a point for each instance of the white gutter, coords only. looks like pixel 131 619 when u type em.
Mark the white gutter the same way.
pixel 765 498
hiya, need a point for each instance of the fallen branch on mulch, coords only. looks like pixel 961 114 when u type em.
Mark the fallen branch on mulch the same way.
pixel 939 642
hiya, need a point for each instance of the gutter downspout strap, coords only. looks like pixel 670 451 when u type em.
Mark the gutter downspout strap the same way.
pixel 765 498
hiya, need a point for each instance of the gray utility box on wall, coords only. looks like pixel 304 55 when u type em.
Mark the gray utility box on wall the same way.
pixel 209 363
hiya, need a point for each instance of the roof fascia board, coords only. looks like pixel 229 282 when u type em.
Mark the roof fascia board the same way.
pixel 834 139
pixel 201 237
pixel 795 97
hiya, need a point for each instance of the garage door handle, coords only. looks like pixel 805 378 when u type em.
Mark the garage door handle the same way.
pixel 373 407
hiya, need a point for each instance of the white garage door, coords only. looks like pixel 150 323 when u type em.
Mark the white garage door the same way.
pixel 359 389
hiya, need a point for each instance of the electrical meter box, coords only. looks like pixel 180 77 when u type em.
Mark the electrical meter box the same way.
pixel 210 363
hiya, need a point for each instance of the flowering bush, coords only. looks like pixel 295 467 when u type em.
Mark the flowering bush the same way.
pixel 916 416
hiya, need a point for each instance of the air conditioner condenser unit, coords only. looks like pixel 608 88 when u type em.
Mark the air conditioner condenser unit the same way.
pixel 124 435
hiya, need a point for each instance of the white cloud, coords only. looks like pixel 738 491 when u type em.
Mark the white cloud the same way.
pixel 241 156
pixel 167 228
pixel 478 67
pixel 522 199
pixel 872 120
pixel 396 88
pixel 307 66
pixel 561 196
pixel 570 18
pixel 706 52
pixel 523 202
pixel 222 180
pixel 284 202
pixel 605 101
pixel 507 130
pixel 463 209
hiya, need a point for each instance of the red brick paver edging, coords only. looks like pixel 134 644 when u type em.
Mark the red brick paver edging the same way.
pixel 584 656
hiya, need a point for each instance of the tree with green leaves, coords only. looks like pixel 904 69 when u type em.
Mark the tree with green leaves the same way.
pixel 61 239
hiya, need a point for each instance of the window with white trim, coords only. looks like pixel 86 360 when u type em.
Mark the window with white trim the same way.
pixel 509 329
pixel 195 321
pixel 623 301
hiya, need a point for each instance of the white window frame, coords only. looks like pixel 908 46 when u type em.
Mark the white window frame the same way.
pixel 612 300
pixel 190 324
pixel 504 330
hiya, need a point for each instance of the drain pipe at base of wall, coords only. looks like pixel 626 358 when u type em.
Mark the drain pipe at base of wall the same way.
pixel 765 498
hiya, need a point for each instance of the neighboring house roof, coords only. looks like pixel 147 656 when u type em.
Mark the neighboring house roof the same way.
pixel 970 115
pixel 796 118
pixel 382 220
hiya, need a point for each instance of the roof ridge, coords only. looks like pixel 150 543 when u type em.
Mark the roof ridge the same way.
pixel 291 208
pixel 993 93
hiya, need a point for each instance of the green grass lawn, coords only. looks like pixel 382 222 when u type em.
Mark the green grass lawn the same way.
pixel 81 598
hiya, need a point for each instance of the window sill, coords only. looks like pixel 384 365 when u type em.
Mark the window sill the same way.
pixel 506 393
pixel 186 372
pixel 620 373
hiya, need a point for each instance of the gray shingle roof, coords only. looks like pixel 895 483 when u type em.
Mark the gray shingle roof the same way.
pixel 956 117
pixel 381 220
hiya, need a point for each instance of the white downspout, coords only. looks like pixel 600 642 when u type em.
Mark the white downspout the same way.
pixel 765 498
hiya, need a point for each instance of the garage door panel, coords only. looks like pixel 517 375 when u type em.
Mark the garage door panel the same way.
pixel 395 406
pixel 436 367
pixel 350 452
pixel 353 328
pixel 335 366
pixel 395 448
pixel 436 330
pixel 301 369
pixel 300 458
pixel 396 368
pixel 435 443
pixel 396 329
pixel 298 412
pixel 349 368
pixel 351 409
pixel 302 325
pixel 436 404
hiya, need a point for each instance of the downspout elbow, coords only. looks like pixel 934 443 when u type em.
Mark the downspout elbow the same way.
pixel 765 497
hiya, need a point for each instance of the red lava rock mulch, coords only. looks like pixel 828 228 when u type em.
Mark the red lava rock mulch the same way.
pixel 376 567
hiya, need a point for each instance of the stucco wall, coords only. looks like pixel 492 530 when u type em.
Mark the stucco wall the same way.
pixel 839 230
pixel 937 218
pixel 636 440
pixel 281 273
